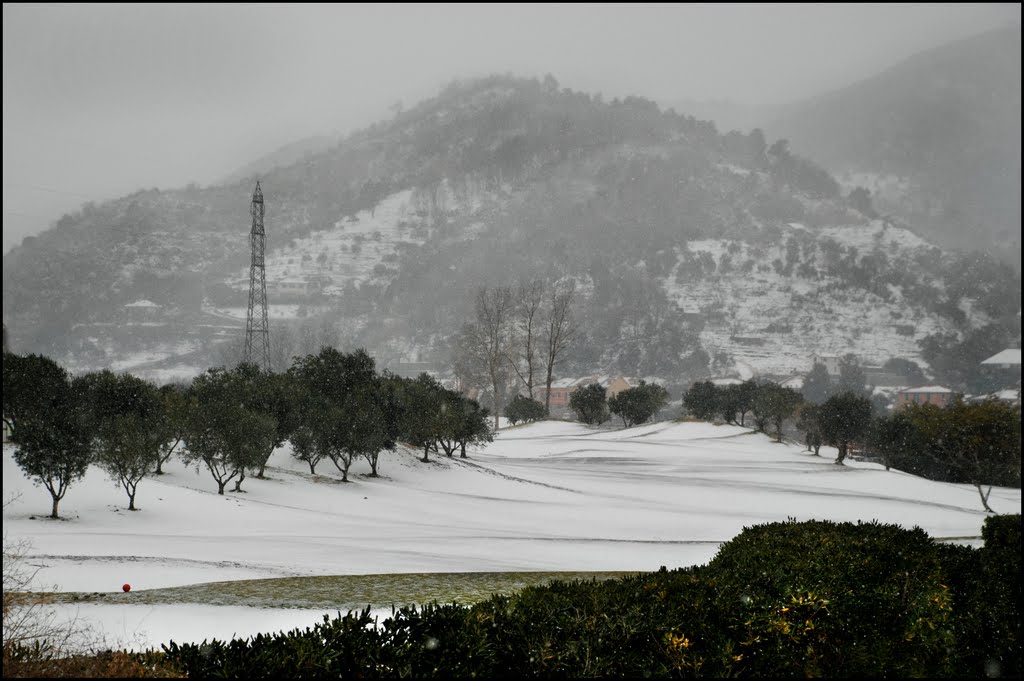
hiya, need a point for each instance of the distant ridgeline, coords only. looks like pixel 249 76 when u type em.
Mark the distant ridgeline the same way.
pixel 694 251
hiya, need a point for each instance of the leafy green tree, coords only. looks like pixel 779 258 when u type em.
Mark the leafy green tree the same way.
pixel 419 401
pixel 48 423
pixel 809 423
pixel 844 419
pixel 272 394
pixel 473 427
pixel 33 385
pixel 817 384
pixel 851 376
pixel 735 401
pixel 522 408
pixel 174 398
pixel 354 420
pixel 305 447
pixel 701 400
pixel 772 405
pixel 896 440
pixel 220 431
pixel 638 405
pixel 979 443
pixel 54 451
pixel 125 415
pixel 462 422
pixel 590 403
pixel 906 368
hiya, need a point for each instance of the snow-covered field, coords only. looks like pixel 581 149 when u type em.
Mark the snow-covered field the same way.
pixel 550 496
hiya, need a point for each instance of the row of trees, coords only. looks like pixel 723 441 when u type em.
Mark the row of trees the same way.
pixel 332 406
pixel 634 405
pixel 769 404
pixel 967 442
pixel 518 334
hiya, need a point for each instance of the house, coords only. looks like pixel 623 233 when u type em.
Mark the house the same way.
pixel 560 392
pixel 831 363
pixel 414 369
pixel 563 388
pixel 1008 395
pixel 929 394
pixel 142 310
pixel 1007 359
pixel 293 288
pixel 878 376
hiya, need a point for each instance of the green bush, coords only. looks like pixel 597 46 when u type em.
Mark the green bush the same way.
pixel 524 409
pixel 782 599
pixel 835 599
pixel 996 605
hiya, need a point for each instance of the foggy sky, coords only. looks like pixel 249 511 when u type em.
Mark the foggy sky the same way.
pixel 102 100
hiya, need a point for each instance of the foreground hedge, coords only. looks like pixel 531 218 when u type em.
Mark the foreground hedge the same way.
pixel 783 599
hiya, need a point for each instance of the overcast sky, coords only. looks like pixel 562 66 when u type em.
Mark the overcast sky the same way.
pixel 101 100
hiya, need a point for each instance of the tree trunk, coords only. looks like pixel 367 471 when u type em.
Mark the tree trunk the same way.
pixel 54 513
pixel 130 489
pixel 547 393
pixel 312 468
pixel 220 487
pixel 263 466
pixel 463 455
pixel 159 470
pixel 238 483
pixel 984 497
pixel 426 450
pixel 842 453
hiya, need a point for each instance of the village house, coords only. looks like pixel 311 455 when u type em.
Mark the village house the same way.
pixel 293 288
pixel 1006 360
pixel 142 311
pixel 930 394
pixel 831 363
pixel 563 388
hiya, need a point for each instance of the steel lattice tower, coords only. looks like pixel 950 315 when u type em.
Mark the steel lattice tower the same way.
pixel 257 331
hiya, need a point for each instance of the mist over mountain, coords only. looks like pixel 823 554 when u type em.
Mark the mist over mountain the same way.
pixel 936 138
pixel 695 252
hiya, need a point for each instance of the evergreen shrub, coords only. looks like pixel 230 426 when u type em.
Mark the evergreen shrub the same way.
pixel 791 599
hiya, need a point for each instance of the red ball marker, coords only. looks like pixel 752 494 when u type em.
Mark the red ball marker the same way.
pixel 126 588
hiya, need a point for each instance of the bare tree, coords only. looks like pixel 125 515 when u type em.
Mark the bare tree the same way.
pixel 283 348
pixel 483 344
pixel 559 331
pixel 230 353
pixel 526 321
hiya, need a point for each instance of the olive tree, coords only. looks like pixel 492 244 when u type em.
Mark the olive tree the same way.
pixel 49 424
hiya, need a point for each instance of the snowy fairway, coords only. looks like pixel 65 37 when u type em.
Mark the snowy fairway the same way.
pixel 550 496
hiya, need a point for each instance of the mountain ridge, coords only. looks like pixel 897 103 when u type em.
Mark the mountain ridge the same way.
pixel 492 181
